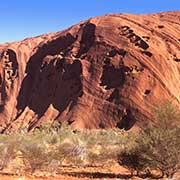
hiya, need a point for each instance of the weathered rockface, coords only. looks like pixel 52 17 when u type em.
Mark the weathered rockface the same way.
pixel 104 72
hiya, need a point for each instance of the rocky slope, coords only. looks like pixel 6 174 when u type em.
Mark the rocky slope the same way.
pixel 104 72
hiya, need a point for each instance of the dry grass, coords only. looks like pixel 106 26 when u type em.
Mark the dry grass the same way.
pixel 49 150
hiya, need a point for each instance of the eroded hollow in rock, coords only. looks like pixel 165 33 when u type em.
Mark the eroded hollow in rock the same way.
pixel 127 121
pixel 147 91
pixel 113 77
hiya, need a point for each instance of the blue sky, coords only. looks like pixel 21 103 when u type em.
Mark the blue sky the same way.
pixel 25 18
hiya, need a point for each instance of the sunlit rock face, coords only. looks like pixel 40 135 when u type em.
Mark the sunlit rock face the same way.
pixel 108 71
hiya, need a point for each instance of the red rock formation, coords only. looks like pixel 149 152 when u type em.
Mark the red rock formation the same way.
pixel 104 72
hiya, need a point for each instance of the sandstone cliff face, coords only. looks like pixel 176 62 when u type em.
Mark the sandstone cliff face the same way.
pixel 104 72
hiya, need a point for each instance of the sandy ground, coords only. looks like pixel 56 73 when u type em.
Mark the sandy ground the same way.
pixel 81 173
pixel 109 172
pixel 5 177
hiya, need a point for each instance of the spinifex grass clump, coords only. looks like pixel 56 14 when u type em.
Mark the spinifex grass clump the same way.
pixel 34 156
pixel 8 150
pixel 47 147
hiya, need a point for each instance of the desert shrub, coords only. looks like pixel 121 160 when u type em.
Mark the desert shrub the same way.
pixel 132 160
pixel 8 149
pixel 51 140
pixel 65 132
pixel 105 145
pixel 7 154
pixel 157 147
pixel 167 116
pixel 48 128
pixel 106 137
pixel 162 149
pixel 130 156
pixel 69 153
pixel 99 155
pixel 34 155
pixel 44 148
pixel 88 146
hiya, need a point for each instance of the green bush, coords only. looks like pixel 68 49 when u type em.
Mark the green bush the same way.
pixel 162 149
pixel 157 147
pixel 167 116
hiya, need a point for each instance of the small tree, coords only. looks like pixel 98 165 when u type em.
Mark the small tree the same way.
pixel 132 160
pixel 159 145
pixel 161 149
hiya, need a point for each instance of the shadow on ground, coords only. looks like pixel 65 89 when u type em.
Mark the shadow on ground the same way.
pixel 97 175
